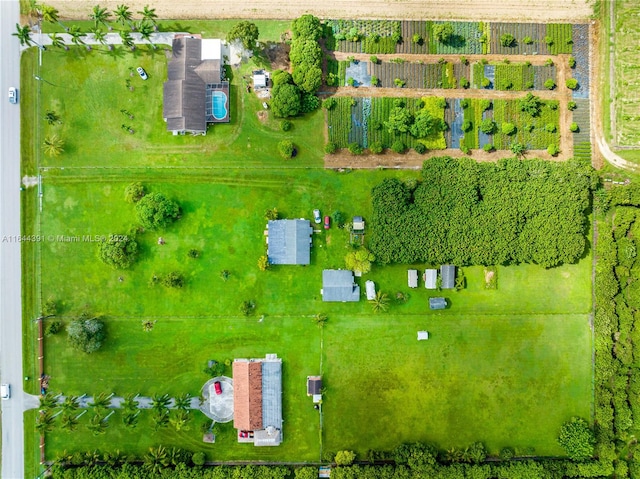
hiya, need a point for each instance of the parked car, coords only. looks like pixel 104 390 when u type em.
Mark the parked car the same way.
pixel 142 73
pixel 316 216
pixel 243 434
pixel 13 95
pixel 5 391
pixel 327 222
pixel 218 387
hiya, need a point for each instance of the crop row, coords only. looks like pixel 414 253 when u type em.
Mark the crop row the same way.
pixel 518 76
pixel 582 117
pixel 581 55
pixel 466 39
pixel 339 121
pixel 560 38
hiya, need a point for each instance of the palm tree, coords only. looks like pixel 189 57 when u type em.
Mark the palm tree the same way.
pixel 156 459
pixel 114 458
pixel 50 15
pixel 180 420
pixel 76 35
pixel 127 40
pixel 160 402
pixel 149 14
pixel 160 419
pixel 182 402
pixel 101 401
pixel 34 10
pixel 48 401
pixel 130 419
pixel 320 319
pixel 176 456
pixel 58 42
pixel 146 30
pixel 24 35
pixel 70 403
pixel 130 403
pixel 98 425
pixel 91 458
pixel 123 16
pixel 380 303
pixel 100 15
pixel 100 36
pixel 44 422
pixel 68 422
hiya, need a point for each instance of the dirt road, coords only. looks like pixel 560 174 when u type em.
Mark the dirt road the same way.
pixel 506 10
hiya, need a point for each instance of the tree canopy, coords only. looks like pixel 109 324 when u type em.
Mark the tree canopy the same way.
pixel 156 211
pixel 399 121
pixel 470 213
pixel 577 439
pixel 118 251
pixel 246 32
pixel 424 124
pixel 307 27
pixel 86 333
pixel 285 100
pixel 443 32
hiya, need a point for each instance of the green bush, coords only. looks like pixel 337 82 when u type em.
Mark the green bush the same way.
pixel 508 128
pixel 398 146
pixel 577 439
pixel 548 40
pixel 351 81
pixel 574 127
pixel 550 127
pixel 572 83
pixel 572 105
pixel 330 148
pixel 420 148
pixel 465 149
pixel 527 40
pixel 355 149
pixel 134 192
pixel 488 148
pixel 375 147
pixel 485 104
pixel 467 125
pixel 486 83
pixel 553 149
pixel 374 80
pixel 550 84
pixel 572 62
pixel 507 40
pixel 329 104
pixel 285 125
pixel 373 59
pixel 286 149
pixel 464 83
pixel 399 82
pixel 487 126
pixel 465 103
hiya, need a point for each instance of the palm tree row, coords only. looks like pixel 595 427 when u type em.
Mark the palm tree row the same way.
pixel 100 16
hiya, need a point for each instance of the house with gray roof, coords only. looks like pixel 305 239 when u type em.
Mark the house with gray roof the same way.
pixel 448 274
pixel 437 303
pixel 196 92
pixel 289 241
pixel 339 285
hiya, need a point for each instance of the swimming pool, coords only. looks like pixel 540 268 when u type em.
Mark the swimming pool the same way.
pixel 219 103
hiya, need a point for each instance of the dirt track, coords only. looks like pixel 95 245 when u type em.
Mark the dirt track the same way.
pixel 505 10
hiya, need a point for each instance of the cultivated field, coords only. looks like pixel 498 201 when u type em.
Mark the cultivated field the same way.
pixel 517 10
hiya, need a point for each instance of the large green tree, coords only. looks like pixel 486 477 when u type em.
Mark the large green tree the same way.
pixel 86 333
pixel 285 100
pixel 157 211
pixel 399 121
pixel 118 251
pixel 245 31
pixel 307 27
pixel 577 439
pixel 424 125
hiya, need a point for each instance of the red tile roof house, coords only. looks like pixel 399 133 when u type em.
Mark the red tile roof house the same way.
pixel 257 400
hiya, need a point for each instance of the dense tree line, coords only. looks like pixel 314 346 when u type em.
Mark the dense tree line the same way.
pixel 466 212
pixel 296 93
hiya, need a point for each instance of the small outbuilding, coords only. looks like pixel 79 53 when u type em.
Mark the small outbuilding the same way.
pixel 289 241
pixel 358 224
pixel 437 303
pixel 448 274
pixel 423 335
pixel 260 79
pixel 339 285
pixel 314 388
pixel 370 288
pixel 430 278
pixel 413 278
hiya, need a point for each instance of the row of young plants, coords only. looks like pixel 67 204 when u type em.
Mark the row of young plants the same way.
pixel 537 131
pixel 395 123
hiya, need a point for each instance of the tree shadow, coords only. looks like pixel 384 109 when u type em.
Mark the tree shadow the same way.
pixel 457 41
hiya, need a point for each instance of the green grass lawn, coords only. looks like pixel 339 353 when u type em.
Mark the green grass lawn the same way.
pixel 508 380
pixel 496 368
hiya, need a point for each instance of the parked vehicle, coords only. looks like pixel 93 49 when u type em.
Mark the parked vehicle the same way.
pixel 5 391
pixel 327 222
pixel 142 73
pixel 218 387
pixel 316 216
pixel 13 95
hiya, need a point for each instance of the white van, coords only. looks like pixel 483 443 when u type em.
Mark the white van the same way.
pixel 5 391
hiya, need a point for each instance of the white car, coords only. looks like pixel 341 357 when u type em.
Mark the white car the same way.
pixel 142 73
pixel 316 216
pixel 5 391
pixel 13 95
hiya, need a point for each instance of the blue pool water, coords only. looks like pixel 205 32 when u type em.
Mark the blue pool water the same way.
pixel 219 100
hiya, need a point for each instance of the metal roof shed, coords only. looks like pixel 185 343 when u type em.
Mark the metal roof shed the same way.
pixel 430 278
pixel 413 278
pixel 448 273
pixel 437 303
pixel 370 288
pixel 339 285
pixel 289 241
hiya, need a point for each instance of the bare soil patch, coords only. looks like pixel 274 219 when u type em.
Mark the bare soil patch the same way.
pixel 278 55
pixel 508 10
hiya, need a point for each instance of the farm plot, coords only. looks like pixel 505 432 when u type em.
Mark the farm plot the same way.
pixel 522 33
pixel 485 138
pixel 412 74
pixel 466 39
pixel 339 121
pixel 433 75
pixel 337 71
pixel 358 72
pixel 541 73
pixel 477 75
pixel 462 71
pixel 456 124
pixel 408 30
pixel 514 76
pixel 362 121
pixel 581 54
pixel 449 119
pixel 472 117
pixel 582 117
pixel 560 36
pixel 363 36
pixel 535 132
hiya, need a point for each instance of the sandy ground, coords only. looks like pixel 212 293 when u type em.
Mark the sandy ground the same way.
pixel 504 10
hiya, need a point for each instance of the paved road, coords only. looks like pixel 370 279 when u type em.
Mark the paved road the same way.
pixel 10 274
